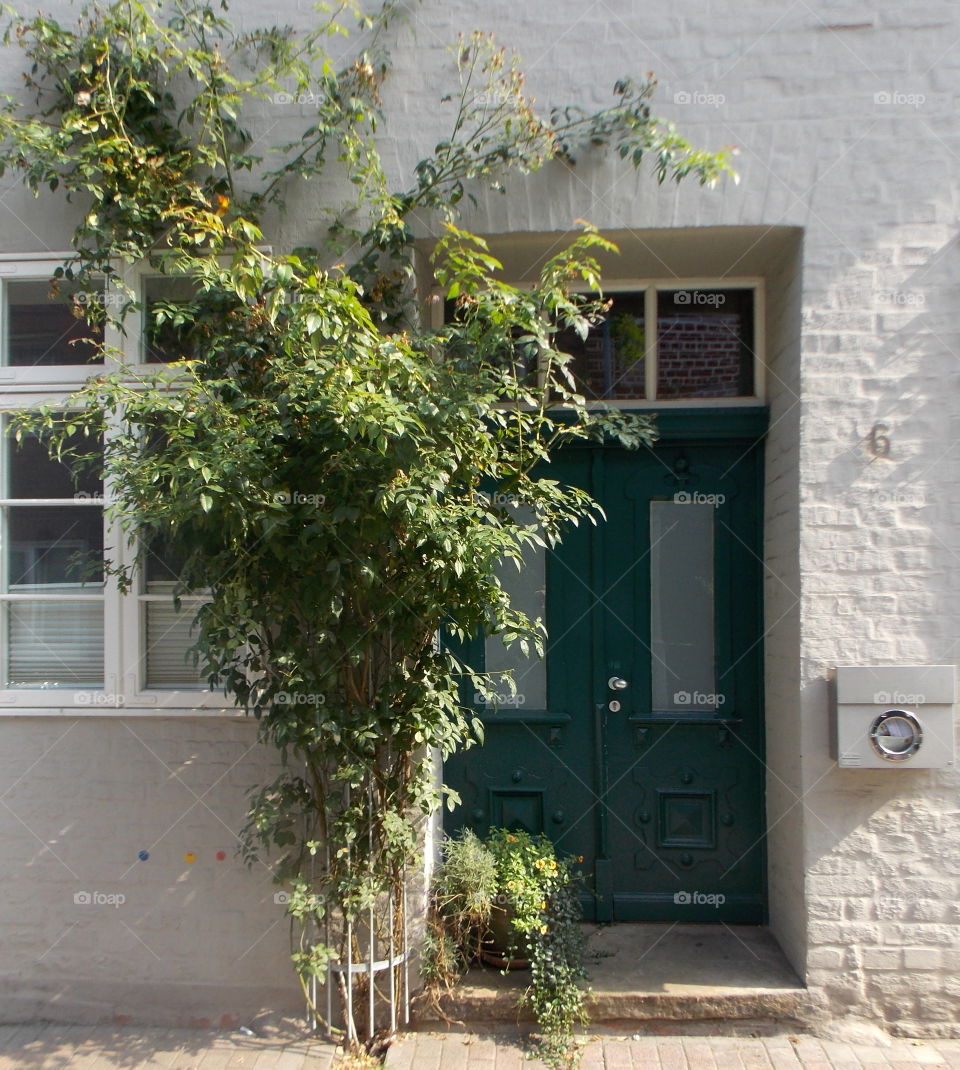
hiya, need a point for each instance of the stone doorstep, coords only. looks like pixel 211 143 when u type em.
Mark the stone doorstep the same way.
pixel 475 1004
pixel 653 973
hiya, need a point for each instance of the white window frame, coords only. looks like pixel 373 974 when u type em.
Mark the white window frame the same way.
pixel 38 700
pixel 124 692
pixel 136 278
pixel 652 287
pixel 131 669
pixel 38 267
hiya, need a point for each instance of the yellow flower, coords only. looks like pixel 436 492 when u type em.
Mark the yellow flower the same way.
pixel 511 884
pixel 544 928
pixel 511 839
pixel 543 906
pixel 539 863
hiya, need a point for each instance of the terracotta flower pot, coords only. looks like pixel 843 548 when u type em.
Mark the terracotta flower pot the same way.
pixel 496 949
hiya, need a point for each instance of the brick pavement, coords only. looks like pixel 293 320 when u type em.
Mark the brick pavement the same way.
pixel 58 1047
pixel 466 1051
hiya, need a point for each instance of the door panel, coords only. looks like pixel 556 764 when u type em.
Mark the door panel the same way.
pixel 658 785
pixel 537 767
pixel 684 751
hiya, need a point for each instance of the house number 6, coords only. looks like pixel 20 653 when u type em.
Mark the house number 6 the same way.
pixel 879 440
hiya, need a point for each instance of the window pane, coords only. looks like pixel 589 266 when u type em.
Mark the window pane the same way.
pixel 54 644
pixel 54 547
pixel 42 330
pixel 169 634
pixel 162 560
pixel 525 356
pixel 527 590
pixel 167 340
pixel 610 362
pixel 704 343
pixel 33 473
pixel 681 607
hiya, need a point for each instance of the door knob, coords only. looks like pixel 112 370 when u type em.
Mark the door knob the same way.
pixel 617 683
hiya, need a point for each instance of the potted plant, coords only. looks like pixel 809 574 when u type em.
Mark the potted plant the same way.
pixel 509 900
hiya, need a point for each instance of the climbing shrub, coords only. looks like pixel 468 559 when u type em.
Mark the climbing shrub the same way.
pixel 328 470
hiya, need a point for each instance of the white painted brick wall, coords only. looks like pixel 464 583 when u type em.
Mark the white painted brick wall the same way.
pixel 863 865
pixel 191 942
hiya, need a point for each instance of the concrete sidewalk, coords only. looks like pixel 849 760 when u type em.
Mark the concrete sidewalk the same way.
pixel 467 1051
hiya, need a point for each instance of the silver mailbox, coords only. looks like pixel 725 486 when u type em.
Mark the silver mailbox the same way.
pixel 894 716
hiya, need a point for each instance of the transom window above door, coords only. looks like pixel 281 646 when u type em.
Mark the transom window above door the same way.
pixel 669 342
pixel 672 342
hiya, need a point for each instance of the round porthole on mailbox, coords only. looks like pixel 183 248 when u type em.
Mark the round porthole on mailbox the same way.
pixel 896 735
pixel 894 717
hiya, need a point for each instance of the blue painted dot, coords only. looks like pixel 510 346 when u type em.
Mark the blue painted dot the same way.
pixel 143 856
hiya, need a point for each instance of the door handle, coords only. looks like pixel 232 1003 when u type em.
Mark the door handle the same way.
pixel 617 683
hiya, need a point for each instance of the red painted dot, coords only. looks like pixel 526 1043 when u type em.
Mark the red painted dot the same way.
pixel 221 855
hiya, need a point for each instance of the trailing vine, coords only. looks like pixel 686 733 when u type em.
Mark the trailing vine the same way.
pixel 320 460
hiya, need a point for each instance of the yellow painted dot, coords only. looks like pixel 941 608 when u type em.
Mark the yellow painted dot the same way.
pixel 189 857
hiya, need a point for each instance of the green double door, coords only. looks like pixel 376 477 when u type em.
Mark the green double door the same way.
pixel 638 741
